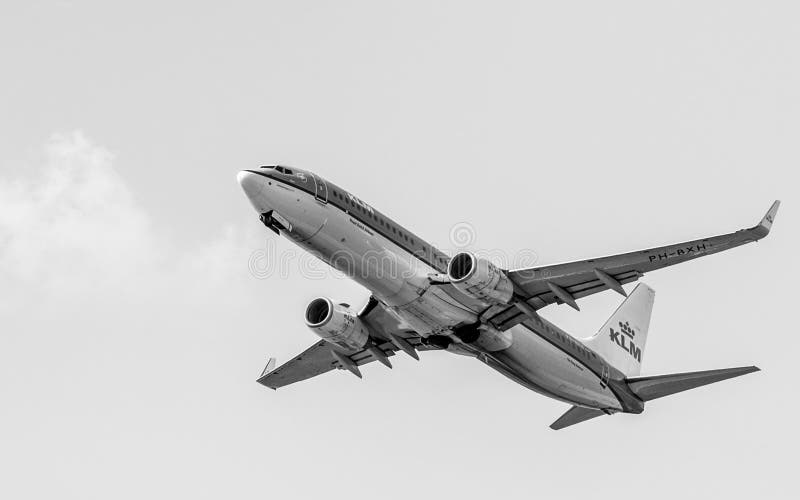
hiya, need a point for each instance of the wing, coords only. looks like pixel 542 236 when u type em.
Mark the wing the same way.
pixel 563 283
pixel 386 338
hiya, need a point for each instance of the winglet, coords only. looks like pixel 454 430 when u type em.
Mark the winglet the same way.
pixel 763 227
pixel 267 370
pixel 270 366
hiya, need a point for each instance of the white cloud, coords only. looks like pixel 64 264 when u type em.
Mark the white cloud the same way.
pixel 71 216
pixel 71 225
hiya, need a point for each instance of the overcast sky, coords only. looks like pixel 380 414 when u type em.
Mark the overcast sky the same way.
pixel 132 325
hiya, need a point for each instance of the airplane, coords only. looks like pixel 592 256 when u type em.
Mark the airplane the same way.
pixel 422 299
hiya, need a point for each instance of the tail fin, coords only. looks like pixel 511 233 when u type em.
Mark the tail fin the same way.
pixel 622 338
pixel 649 388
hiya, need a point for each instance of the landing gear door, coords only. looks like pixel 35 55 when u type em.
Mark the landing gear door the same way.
pixel 321 189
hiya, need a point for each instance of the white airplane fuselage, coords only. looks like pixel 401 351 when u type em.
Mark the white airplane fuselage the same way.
pixel 396 265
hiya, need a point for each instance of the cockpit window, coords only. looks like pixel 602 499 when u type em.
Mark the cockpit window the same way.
pixel 284 170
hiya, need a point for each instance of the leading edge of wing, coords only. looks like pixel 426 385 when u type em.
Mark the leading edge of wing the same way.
pixel 759 231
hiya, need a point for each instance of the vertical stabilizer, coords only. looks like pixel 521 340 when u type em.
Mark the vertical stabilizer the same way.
pixel 622 338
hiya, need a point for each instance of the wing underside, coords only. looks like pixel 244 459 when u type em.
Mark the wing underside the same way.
pixel 565 283
pixel 386 338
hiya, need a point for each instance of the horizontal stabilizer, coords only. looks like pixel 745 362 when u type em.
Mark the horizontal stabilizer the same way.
pixel 649 388
pixel 575 415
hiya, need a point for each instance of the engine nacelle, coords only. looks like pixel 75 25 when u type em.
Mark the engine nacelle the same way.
pixel 480 279
pixel 336 323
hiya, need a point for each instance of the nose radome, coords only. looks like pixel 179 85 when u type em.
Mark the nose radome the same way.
pixel 250 182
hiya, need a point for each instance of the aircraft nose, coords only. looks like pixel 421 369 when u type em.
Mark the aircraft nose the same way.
pixel 254 187
pixel 251 183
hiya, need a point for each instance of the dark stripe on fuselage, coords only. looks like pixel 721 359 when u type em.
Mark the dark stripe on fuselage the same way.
pixel 424 251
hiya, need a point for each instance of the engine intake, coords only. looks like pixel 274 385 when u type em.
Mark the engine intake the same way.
pixel 336 323
pixel 480 279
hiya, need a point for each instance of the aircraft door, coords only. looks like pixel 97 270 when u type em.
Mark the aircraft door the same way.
pixel 321 189
pixel 605 375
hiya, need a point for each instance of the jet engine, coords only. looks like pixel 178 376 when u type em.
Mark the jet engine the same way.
pixel 480 279
pixel 336 323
